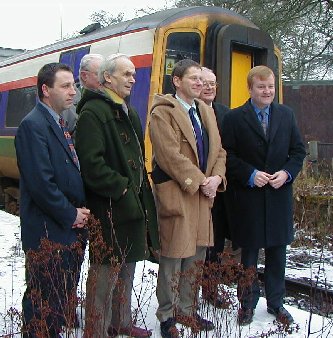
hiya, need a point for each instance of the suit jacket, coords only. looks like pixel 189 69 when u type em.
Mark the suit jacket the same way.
pixel 261 217
pixel 220 112
pixel 184 213
pixel 50 184
pixel 219 213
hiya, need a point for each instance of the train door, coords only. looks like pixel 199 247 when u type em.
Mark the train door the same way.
pixel 232 50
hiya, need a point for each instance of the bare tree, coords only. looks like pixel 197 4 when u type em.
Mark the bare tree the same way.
pixel 105 18
pixel 302 29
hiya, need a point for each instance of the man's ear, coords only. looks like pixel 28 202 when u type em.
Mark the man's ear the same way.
pixel 176 81
pixel 45 90
pixel 84 75
pixel 107 77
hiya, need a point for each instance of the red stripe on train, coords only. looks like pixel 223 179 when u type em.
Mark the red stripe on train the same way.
pixel 27 82
pixel 139 61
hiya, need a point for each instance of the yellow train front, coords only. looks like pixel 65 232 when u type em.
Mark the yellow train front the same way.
pixel 215 37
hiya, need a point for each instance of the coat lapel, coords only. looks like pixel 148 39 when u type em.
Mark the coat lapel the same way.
pixel 206 120
pixel 251 119
pixel 275 120
pixel 56 130
pixel 185 125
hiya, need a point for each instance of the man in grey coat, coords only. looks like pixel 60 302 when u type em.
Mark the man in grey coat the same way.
pixel 264 155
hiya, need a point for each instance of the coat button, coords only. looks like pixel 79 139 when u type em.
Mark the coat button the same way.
pixel 188 181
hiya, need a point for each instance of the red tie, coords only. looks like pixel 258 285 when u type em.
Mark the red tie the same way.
pixel 69 141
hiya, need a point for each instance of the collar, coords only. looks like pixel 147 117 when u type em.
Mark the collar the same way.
pixel 185 104
pixel 55 115
pixel 258 110
pixel 113 96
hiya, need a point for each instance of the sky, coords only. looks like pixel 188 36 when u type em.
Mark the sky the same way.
pixel 12 288
pixel 29 24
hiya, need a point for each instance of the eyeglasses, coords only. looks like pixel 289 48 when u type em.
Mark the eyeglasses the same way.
pixel 212 84
pixel 194 78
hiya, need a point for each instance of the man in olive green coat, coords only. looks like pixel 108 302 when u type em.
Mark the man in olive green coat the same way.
pixel 111 150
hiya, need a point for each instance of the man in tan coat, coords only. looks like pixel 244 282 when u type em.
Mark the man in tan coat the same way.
pixel 188 169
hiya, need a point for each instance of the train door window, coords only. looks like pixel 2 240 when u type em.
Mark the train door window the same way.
pixel 179 46
pixel 20 103
pixel 73 58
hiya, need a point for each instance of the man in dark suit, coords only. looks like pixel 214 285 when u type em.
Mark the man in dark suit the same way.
pixel 264 155
pixel 88 76
pixel 220 223
pixel 51 206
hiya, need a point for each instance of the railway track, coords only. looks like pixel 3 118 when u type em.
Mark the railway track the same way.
pixel 319 296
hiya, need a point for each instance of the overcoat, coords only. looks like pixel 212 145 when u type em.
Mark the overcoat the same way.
pixel 184 213
pixel 261 217
pixel 220 220
pixel 50 183
pixel 111 152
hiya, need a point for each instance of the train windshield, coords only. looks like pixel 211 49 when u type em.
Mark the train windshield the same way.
pixel 179 46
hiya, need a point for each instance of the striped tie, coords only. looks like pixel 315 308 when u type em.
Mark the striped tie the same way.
pixel 69 141
pixel 263 120
pixel 198 136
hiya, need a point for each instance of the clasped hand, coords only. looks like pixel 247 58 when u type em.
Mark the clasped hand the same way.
pixel 81 217
pixel 209 186
pixel 275 180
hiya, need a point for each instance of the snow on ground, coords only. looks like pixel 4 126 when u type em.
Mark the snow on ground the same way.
pixel 12 288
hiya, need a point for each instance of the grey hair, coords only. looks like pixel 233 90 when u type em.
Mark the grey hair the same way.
pixel 207 69
pixel 85 63
pixel 109 65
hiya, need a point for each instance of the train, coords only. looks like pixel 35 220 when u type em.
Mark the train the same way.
pixel 217 38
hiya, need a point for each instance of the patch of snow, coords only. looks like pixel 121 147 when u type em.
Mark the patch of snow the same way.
pixel 12 287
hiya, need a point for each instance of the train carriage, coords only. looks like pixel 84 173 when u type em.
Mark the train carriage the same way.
pixel 215 37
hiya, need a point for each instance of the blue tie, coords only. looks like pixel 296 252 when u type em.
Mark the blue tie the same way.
pixel 69 141
pixel 198 136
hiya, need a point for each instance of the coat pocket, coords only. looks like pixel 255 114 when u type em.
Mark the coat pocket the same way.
pixel 127 209
pixel 169 200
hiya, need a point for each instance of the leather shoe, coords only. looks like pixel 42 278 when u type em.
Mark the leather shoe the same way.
pixel 169 329
pixel 196 322
pixel 245 316
pixel 133 331
pixel 281 314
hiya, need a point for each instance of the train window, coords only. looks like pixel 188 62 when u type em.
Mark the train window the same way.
pixel 179 46
pixel 20 102
pixel 73 58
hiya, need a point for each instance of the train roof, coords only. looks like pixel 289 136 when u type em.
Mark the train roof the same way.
pixel 155 20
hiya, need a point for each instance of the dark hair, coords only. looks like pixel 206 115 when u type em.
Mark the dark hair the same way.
pixel 181 67
pixel 46 75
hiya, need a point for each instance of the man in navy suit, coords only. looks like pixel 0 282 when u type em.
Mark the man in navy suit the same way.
pixel 51 206
pixel 220 223
pixel 264 155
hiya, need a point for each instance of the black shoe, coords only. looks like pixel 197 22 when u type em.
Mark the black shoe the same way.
pixel 169 329
pixel 196 322
pixel 245 316
pixel 281 314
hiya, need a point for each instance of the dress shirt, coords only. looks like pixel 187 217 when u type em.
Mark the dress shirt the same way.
pixel 187 108
pixel 55 116
pixel 267 111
